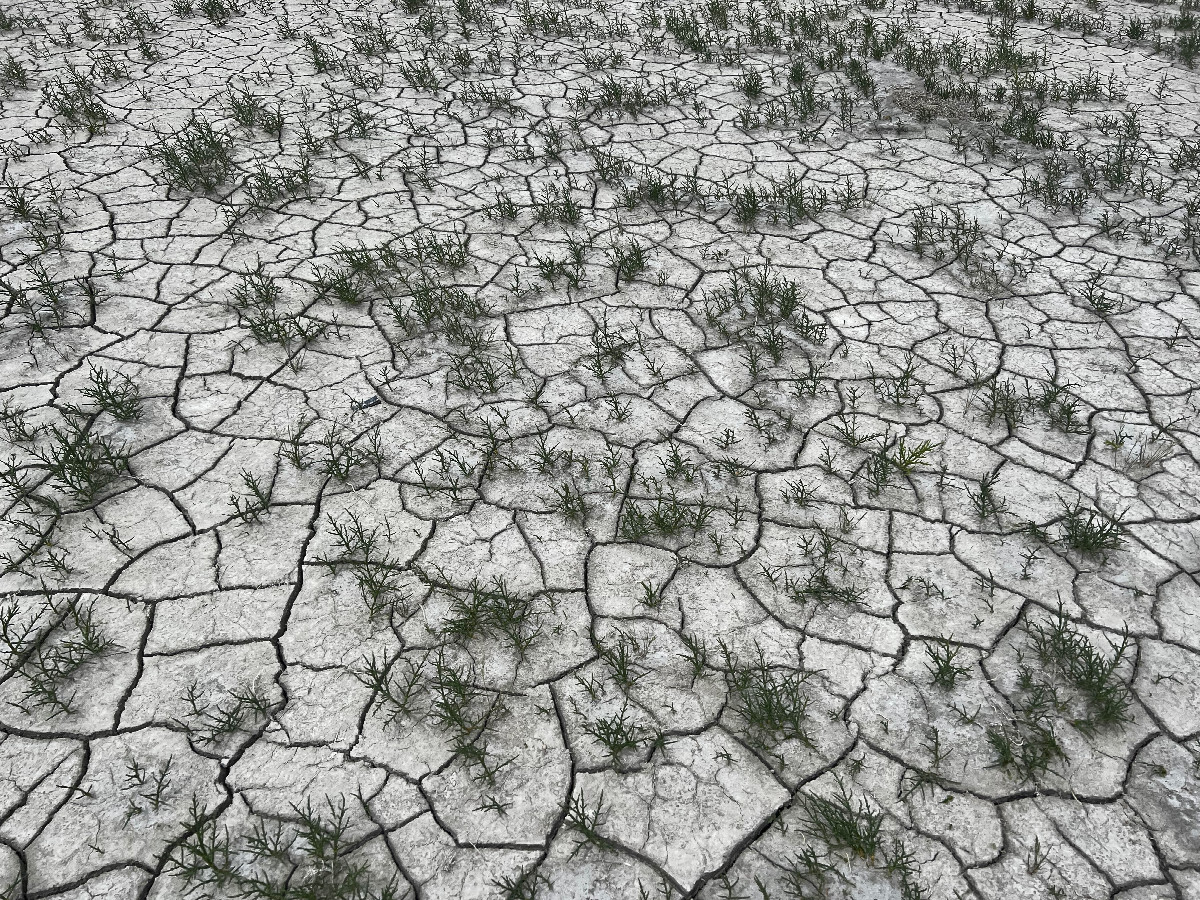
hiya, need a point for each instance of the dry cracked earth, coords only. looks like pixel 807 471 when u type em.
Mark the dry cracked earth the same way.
pixel 647 449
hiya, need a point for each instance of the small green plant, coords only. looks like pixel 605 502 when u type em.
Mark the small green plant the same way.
pixel 250 506
pixel 493 610
pixel 905 457
pixel 1001 401
pixel 308 852
pixel 12 74
pixel 196 157
pixel 219 12
pixel 118 395
pixel 266 185
pixel 696 655
pixel 363 553
pixel 987 503
pixel 344 453
pixel 1090 532
pixel 527 886
pixel 629 260
pixel 618 734
pixel 256 302
pixel 1098 299
pixel 1064 650
pixel 47 647
pixel 459 704
pixel 585 821
pixel 42 304
pixel 396 685
pixel 557 203
pixel 623 656
pixel 14 423
pixel 1185 156
pixel 33 520
pixel 942 663
pixel 950 236
pixel 652 596
pixel 82 462
pixel 1027 746
pixel 213 723
pixel 322 57
pixel 771 701
pixel 751 84
pixel 843 823
pixel 901 387
pixel 148 785
pixel 1144 453
pixel 1061 407
pixel 20 202
pixel 250 111
pixel 73 99
pixel 667 517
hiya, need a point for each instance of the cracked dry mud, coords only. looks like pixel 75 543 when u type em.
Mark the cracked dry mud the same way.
pixel 653 449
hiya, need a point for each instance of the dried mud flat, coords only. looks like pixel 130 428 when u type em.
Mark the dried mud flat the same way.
pixel 665 449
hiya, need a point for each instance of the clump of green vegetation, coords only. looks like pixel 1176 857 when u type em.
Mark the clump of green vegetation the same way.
pixel 492 610
pixel 345 452
pixel 359 273
pixel 250 111
pixel 629 260
pixel 1027 745
pixel 666 517
pixel 196 157
pixel 950 236
pixel 118 395
pixel 1067 653
pixel 82 462
pixel 309 853
pixel 42 304
pixel 363 551
pixel 73 99
pixel 212 723
pixel 1011 402
pixel 1090 531
pixel 849 825
pixel 942 664
pixel 771 701
pixel 256 301
pixel 47 647
pixel 585 820
pixel 794 199
pixel 619 734
pixel 843 823
pixel 250 506
pixel 763 312
pixel 13 74
pixel 266 185
pixel 1074 682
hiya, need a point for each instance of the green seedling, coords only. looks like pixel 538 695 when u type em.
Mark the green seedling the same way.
pixel 618 734
pixel 771 701
pixel 196 157
pixel 80 461
pixel 1090 532
pixel 942 665
pixel 118 395
pixel 46 649
pixel 1061 647
pixel 249 507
